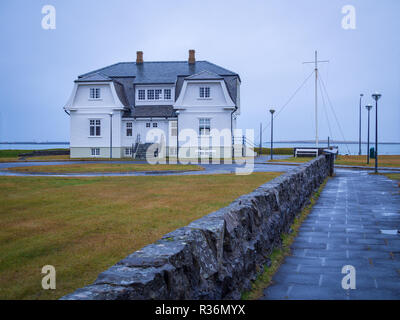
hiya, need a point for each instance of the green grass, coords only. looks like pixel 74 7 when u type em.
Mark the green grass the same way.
pixel 278 255
pixel 282 151
pixel 294 159
pixel 13 154
pixel 104 167
pixel 383 161
pixel 82 226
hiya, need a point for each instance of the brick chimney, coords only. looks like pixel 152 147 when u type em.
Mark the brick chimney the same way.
pixel 139 57
pixel 192 59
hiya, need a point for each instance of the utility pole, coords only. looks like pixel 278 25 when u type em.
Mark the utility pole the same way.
pixel 316 92
pixel 260 138
pixel 359 133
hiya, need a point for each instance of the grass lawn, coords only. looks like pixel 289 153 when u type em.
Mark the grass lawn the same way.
pixel 105 167
pixel 383 161
pixel 82 226
pixel 282 151
pixel 293 159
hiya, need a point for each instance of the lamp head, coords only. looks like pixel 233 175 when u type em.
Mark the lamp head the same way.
pixel 369 107
pixel 361 94
pixel 272 111
pixel 376 96
pixel 177 112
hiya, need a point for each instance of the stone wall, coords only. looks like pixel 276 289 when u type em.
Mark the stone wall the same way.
pixel 217 256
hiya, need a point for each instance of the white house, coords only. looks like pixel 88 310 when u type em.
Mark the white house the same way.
pixel 120 109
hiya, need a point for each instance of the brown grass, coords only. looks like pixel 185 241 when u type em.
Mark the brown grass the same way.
pixel 82 226
pixel 104 167
pixel 383 161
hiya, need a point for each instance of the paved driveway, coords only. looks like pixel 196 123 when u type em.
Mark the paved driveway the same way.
pixel 258 166
pixel 351 224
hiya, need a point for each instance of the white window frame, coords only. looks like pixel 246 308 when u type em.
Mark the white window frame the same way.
pixel 150 94
pixel 95 152
pixel 148 125
pixel 94 94
pixel 129 126
pixel 155 125
pixel 128 151
pixel 95 124
pixel 141 94
pixel 173 128
pixel 204 92
pixel 204 124
pixel 167 92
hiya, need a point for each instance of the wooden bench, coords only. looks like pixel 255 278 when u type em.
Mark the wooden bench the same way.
pixel 306 152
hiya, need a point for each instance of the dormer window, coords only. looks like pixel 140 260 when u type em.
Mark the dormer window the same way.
pixel 141 94
pixel 95 93
pixel 154 94
pixel 150 94
pixel 204 92
pixel 167 94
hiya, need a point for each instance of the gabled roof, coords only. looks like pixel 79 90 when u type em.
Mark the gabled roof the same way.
pixel 204 75
pixel 125 75
pixel 94 77
pixel 159 72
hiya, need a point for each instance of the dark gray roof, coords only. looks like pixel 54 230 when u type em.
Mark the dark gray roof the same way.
pixel 151 111
pixel 92 77
pixel 126 75
pixel 159 72
pixel 204 75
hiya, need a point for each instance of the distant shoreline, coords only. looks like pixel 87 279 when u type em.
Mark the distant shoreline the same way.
pixel 265 142
pixel 34 142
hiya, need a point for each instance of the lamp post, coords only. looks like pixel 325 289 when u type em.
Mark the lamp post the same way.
pixel 359 135
pixel 177 136
pixel 369 107
pixel 272 131
pixel 111 114
pixel 376 96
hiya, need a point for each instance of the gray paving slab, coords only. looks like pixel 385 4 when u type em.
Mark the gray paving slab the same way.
pixel 345 228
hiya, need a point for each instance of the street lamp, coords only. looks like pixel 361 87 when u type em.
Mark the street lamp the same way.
pixel 376 96
pixel 111 114
pixel 359 135
pixel 177 135
pixel 272 130
pixel 369 107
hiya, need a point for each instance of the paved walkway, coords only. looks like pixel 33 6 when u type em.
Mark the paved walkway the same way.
pixel 257 166
pixel 349 225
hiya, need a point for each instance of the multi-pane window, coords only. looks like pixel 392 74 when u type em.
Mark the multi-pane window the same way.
pixel 155 125
pixel 95 151
pixel 128 151
pixel 147 124
pixel 158 94
pixel 94 93
pixel 129 129
pixel 141 94
pixel 174 128
pixel 204 126
pixel 150 94
pixel 167 94
pixel 204 92
pixel 154 94
pixel 95 128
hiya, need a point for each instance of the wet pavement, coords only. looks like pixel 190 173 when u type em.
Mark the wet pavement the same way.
pixel 354 222
pixel 259 165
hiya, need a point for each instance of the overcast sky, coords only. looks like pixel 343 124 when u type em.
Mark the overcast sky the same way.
pixel 264 41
